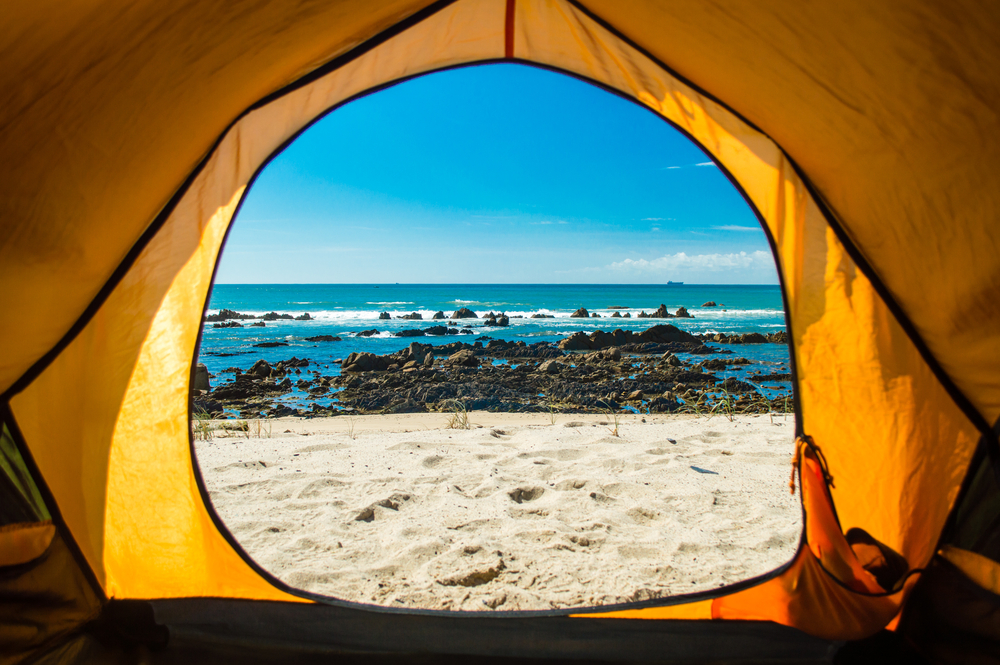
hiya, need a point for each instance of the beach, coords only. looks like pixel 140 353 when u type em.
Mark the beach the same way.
pixel 518 511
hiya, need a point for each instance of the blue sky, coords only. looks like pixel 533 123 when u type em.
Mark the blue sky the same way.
pixel 494 174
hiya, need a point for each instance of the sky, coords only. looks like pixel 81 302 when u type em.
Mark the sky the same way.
pixel 494 174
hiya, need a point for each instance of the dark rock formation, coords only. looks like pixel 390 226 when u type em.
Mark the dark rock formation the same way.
pixel 438 316
pixel 599 339
pixel 384 316
pixel 269 345
pixel 259 324
pixel 323 338
pixel 581 313
pixel 543 316
pixel 413 316
pixel 201 381
pixel 710 303
pixel 682 313
pixel 464 313
pixel 227 324
pixel 274 316
pixel 227 314
pixel 304 317
pixel 367 333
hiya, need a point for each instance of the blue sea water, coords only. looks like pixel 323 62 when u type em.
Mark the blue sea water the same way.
pixel 346 309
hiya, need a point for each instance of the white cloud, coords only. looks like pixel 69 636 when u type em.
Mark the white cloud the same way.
pixel 653 219
pixel 699 262
pixel 547 223
pixel 687 166
pixel 655 228
pixel 734 227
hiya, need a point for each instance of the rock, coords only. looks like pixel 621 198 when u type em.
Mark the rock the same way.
pixel 201 381
pixel 734 385
pixel 227 314
pixel 578 341
pixel 595 315
pixel 261 369
pixel 304 317
pixel 274 316
pixel 270 345
pixel 209 406
pixel 438 316
pixel 436 331
pixel 413 316
pixel 384 316
pixel 664 333
pixel 682 313
pixel 464 313
pixel 710 303
pixel 580 314
pixel 503 321
pixel 323 338
pixel 463 358
pixel 614 354
pixel 671 359
pixel 364 362
pixel 367 333
pixel 416 352
pixel 616 315
pixel 542 316
pixel 550 367
pixel 228 324
pixel 663 404
pixel 634 395
pixel 259 324
pixel 780 337
pixel 413 332
pixel 661 313
pixel 627 315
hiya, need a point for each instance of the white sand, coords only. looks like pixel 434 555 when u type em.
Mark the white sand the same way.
pixel 513 514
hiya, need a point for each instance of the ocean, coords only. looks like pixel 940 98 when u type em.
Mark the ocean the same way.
pixel 345 309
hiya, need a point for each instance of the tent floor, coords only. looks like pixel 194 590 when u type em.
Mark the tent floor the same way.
pixel 209 630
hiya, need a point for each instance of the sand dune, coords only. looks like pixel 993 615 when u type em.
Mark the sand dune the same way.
pixel 515 513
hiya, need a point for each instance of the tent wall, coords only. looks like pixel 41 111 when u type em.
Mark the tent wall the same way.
pixel 107 420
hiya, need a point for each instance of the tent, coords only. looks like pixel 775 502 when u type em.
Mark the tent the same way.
pixel 863 135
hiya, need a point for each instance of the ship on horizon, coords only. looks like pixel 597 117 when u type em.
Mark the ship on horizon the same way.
pixel 669 283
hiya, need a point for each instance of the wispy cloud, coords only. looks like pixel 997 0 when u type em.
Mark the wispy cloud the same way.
pixel 653 219
pixel 734 227
pixel 706 262
pixel 687 166
pixel 655 228
pixel 547 223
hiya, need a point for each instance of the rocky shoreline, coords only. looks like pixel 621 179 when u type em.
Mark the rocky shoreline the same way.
pixel 601 372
